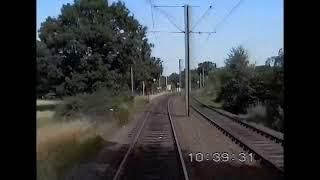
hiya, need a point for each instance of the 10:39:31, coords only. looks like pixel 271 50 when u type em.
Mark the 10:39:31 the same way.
pixel 220 157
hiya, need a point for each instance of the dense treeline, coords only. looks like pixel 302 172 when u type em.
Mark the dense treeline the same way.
pixel 204 67
pixel 90 45
pixel 244 88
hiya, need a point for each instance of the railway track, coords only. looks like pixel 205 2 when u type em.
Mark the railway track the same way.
pixel 267 149
pixel 274 137
pixel 155 152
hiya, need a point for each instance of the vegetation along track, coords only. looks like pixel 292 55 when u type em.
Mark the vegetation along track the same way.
pixel 274 137
pixel 155 152
pixel 263 147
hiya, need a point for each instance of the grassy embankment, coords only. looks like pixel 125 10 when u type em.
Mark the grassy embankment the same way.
pixel 77 128
pixel 209 101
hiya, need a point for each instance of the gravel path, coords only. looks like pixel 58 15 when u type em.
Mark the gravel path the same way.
pixel 196 134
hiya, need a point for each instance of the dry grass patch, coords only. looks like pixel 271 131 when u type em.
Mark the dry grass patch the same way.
pixel 58 133
pixel 47 102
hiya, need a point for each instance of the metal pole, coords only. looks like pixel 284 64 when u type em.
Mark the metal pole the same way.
pixel 203 74
pixel 143 88
pixel 200 81
pixel 180 74
pixel 131 80
pixel 166 83
pixel 187 56
pixel 159 83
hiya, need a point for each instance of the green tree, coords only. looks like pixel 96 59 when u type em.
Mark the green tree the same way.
pixel 236 93
pixel 174 79
pixel 238 62
pixel 207 66
pixel 93 45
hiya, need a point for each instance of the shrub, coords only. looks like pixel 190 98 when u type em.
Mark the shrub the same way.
pixel 96 104
pixel 123 114
pixel 257 112
pixel 276 116
pixel 236 96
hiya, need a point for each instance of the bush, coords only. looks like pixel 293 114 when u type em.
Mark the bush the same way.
pixel 236 96
pixel 70 107
pixel 123 114
pixel 96 104
pixel 257 112
pixel 269 115
pixel 276 117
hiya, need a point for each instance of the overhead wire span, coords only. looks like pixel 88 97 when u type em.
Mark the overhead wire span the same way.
pixel 166 31
pixel 225 17
pixel 170 18
pixel 151 6
pixel 206 13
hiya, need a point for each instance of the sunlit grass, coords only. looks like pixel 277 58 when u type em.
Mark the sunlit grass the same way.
pixel 44 118
pixel 66 155
pixel 62 144
pixel 209 101
pixel 47 102
pixel 55 134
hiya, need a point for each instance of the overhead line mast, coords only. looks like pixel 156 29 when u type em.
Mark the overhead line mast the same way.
pixel 187 31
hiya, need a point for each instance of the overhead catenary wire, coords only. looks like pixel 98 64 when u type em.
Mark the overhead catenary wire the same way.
pixel 168 6
pixel 202 32
pixel 207 12
pixel 225 17
pixel 166 31
pixel 170 18
pixel 151 6
pixel 152 17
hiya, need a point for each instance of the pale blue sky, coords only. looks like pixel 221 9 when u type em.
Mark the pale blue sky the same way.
pixel 255 24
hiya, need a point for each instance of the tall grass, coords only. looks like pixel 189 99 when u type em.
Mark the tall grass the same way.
pixel 77 129
pixel 63 144
pixel 51 136
pixel 47 102
pixel 99 103
pixel 44 118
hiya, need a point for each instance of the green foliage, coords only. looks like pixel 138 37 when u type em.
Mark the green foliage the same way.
pixel 91 45
pixel 236 95
pixel 240 87
pixel 238 63
pixel 98 103
pixel 194 79
pixel 216 79
pixel 206 67
pixel 174 79
pixel 123 114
